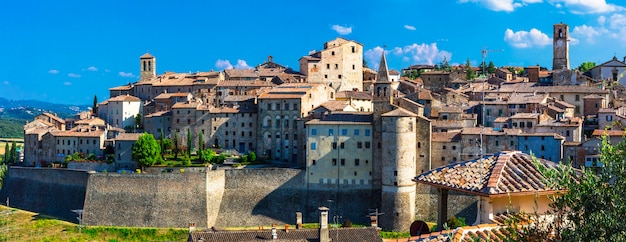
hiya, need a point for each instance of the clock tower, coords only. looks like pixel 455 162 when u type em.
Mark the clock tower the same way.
pixel 560 59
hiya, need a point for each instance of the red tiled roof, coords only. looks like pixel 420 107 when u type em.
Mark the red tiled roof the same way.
pixel 610 133
pixel 124 98
pixel 128 136
pixel 481 232
pixel 305 235
pixel 505 173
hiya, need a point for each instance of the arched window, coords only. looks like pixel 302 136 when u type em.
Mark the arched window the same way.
pixel 286 122
pixel 149 65
pixel 267 122
pixel 277 122
pixel 378 92
pixel 385 92
pixel 144 66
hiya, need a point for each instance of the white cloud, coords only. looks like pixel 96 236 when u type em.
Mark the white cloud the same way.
pixel 587 6
pixel 589 33
pixel 498 5
pixel 341 30
pixel 53 72
pixel 74 75
pixel 92 68
pixel 6 82
pixel 241 64
pixel 526 39
pixel 601 20
pixel 414 53
pixel 223 64
pixel 67 83
pixel 409 27
pixel 126 74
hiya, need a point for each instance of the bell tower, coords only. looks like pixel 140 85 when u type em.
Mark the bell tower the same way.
pixel 560 59
pixel 147 63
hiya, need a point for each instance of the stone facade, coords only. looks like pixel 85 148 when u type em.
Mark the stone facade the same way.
pixel 339 65
pixel 560 47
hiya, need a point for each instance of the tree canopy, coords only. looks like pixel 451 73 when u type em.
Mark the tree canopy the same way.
pixel 586 66
pixel 592 206
pixel 146 151
pixel 469 72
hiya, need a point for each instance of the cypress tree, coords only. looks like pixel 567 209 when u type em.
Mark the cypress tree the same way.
pixel 189 141
pixel 7 152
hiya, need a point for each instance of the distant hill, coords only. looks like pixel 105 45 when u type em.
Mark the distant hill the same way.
pixel 15 113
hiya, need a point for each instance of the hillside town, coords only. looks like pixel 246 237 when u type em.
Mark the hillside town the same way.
pixel 420 138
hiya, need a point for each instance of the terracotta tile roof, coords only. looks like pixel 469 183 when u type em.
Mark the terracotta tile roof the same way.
pixel 128 136
pixel 252 83
pixel 394 72
pixel 121 88
pixel 124 98
pixel 305 235
pixel 504 218
pixel 335 105
pixel 343 118
pixel 96 133
pixel 159 114
pixel 610 133
pixel 239 98
pixel 54 117
pixel 185 105
pixel 531 87
pixel 353 95
pixel 504 173
pixel 481 232
pixel 525 116
pixel 490 131
pixel 447 123
pixel 290 91
pixel 147 55
pixel 241 73
pixel 399 112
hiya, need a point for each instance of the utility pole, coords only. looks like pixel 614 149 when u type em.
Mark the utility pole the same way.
pixel 481 159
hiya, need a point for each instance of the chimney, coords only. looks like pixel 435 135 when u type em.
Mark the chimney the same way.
pixel 192 227
pixel 324 235
pixel 298 220
pixel 274 234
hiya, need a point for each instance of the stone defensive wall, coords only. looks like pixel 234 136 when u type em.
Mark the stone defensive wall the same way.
pixel 220 198
pixel 48 191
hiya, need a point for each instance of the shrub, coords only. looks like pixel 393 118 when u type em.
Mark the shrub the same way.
pixel 244 159
pixel 346 224
pixel 186 160
pixel 454 222
pixel 252 156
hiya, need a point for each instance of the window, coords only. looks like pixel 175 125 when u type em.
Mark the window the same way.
pixel 529 124
pixel 356 162
pixel 419 144
pixel 342 145
pixel 331 132
pixel 353 49
pixel 313 131
pixel 353 67
pixel 327 66
pixel 356 132
pixel 543 147
pixel 313 162
pixel 567 133
pixel 334 162
pixel 332 53
pixel 497 143
pixel 562 97
pixel 521 124
pixel 367 132
pixel 344 131
pixel 313 146
pixel 367 144
pixel 609 118
pixel 443 158
pixel 336 66
pixel 577 97
pixel 359 145
pixel 511 143
pixel 444 147
pixel 343 162
pixel 339 76
pixel 334 144
pixel 522 105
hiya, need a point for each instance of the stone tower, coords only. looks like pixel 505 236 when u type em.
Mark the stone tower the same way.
pixel 147 63
pixel 381 102
pixel 560 59
pixel 399 165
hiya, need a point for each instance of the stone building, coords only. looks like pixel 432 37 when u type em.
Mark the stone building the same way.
pixel 120 111
pixel 339 149
pixel 123 144
pixel 279 109
pixel 612 70
pixel 560 41
pixel 157 123
pixel 339 65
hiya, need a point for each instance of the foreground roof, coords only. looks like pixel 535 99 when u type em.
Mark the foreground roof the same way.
pixel 305 235
pixel 482 232
pixel 502 174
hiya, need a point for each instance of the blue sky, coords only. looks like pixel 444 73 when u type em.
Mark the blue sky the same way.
pixel 69 51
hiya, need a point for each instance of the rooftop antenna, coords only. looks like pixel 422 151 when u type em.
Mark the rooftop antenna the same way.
pixel 481 159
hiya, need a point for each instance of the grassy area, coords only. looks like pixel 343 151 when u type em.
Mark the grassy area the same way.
pixel 18 225
pixel 5 141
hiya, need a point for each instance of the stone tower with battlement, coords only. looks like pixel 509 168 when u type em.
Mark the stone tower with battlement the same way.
pixel 147 63
pixel 399 162
pixel 560 59
pixel 381 102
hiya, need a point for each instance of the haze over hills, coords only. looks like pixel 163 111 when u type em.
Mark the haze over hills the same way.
pixel 15 113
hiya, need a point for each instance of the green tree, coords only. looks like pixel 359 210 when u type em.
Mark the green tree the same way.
pixel 146 151
pixel 201 141
pixel 175 143
pixel 252 156
pixel 207 155
pixel 166 145
pixel 138 122
pixel 491 68
pixel 586 66
pixel 593 205
pixel 469 72
pixel 445 66
pixel 189 141
pixel 7 152
pixel 13 153
pixel 95 105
